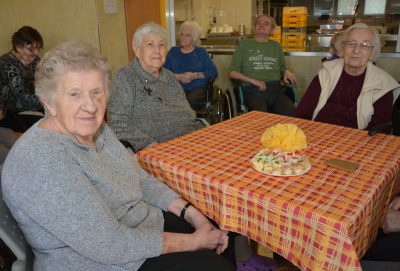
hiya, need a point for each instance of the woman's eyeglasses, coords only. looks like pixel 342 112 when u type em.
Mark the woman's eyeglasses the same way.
pixel 31 49
pixel 363 45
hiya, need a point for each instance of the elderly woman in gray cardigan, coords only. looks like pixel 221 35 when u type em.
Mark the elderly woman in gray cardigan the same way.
pixel 147 104
pixel 81 199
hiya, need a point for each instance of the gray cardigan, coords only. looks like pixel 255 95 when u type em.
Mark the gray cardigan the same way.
pixel 143 108
pixel 82 209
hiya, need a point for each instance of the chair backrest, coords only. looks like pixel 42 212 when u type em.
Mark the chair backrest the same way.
pixel 13 237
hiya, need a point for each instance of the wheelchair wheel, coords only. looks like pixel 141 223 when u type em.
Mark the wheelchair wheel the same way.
pixel 216 106
pixel 228 105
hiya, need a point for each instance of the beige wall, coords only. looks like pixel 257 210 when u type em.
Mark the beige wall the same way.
pixel 113 38
pixel 59 21
pixel 231 13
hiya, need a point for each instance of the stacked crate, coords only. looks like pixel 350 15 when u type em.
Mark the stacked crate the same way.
pixel 294 29
pixel 277 35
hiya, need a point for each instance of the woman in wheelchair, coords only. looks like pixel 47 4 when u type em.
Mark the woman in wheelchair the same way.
pixel 260 64
pixel 191 65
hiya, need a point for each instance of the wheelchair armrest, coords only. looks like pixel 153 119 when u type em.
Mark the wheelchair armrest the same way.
pixel 127 145
pixel 211 81
pixel 291 92
pixel 203 121
pixel 236 82
pixel 381 128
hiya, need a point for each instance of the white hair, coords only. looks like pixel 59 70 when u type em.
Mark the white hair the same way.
pixel 194 27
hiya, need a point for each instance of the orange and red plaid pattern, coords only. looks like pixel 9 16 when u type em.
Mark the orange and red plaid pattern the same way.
pixel 325 219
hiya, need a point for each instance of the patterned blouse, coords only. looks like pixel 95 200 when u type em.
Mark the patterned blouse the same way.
pixel 17 90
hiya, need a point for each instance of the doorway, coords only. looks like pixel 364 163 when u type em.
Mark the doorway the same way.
pixel 138 12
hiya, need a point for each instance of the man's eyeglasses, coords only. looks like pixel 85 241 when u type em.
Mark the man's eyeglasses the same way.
pixel 31 49
pixel 363 45
pixel 260 23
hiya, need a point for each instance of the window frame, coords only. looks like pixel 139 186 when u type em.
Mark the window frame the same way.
pixel 360 10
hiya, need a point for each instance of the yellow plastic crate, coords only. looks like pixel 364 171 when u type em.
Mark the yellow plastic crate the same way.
pixel 275 36
pixel 292 42
pixel 294 17
pixel 277 29
pixel 292 30
pixel 291 10
pixel 294 36
pixel 294 23
pixel 294 49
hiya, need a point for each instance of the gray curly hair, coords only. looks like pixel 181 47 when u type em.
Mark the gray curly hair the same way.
pixel 66 57
pixel 147 29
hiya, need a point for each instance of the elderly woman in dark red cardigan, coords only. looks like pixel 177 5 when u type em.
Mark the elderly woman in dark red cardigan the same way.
pixel 351 91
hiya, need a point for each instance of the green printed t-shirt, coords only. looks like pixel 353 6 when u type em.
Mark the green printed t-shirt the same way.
pixel 263 61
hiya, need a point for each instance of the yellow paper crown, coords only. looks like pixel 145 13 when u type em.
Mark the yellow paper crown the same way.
pixel 284 137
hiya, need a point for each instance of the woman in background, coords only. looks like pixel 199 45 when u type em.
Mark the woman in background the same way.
pixel 335 46
pixel 17 90
pixel 351 91
pixel 191 65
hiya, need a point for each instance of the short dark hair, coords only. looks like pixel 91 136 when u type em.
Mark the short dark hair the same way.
pixel 27 35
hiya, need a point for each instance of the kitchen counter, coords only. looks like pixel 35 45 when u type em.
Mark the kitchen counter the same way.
pixel 386 51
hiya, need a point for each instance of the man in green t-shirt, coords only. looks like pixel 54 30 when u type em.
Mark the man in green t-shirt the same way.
pixel 260 64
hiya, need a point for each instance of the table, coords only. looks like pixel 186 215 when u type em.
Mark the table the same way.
pixel 325 219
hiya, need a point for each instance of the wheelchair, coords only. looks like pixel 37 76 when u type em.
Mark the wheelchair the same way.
pixel 233 100
pixel 212 111
pixel 391 128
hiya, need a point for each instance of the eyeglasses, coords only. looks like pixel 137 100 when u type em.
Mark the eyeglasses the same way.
pixel 363 45
pixel 185 35
pixel 261 23
pixel 33 48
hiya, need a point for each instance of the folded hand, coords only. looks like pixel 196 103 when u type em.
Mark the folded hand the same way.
pixel 209 237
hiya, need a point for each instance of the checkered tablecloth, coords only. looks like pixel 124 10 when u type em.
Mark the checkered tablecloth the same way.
pixel 325 219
